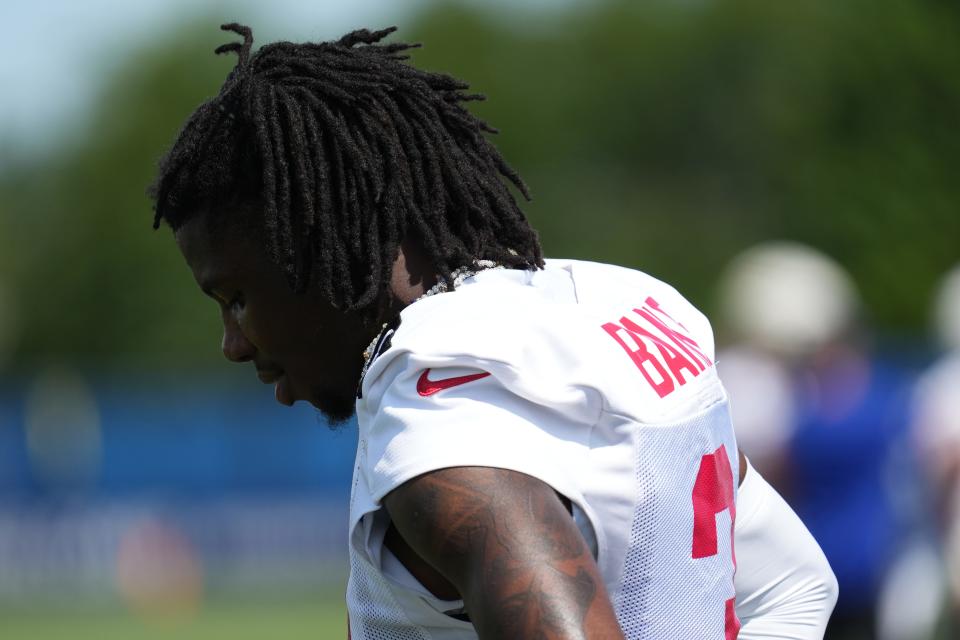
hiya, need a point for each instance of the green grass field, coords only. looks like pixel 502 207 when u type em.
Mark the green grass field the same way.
pixel 317 618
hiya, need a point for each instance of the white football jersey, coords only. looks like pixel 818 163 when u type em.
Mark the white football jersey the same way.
pixel 599 381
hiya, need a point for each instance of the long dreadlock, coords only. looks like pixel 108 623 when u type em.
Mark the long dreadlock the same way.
pixel 345 150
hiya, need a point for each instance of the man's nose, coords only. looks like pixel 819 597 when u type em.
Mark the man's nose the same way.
pixel 236 347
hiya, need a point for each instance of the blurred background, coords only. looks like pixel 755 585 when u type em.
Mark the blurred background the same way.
pixel 790 167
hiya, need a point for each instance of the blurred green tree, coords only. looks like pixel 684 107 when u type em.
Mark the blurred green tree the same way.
pixel 93 284
pixel 670 135
pixel 662 135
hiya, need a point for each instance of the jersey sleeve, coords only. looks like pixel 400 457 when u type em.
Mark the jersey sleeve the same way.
pixel 440 412
pixel 785 587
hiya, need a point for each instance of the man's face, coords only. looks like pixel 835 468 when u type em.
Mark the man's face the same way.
pixel 300 343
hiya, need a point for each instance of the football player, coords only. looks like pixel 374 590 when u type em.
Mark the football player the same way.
pixel 545 448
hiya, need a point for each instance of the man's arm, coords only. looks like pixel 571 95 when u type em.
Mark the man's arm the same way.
pixel 510 547
pixel 785 587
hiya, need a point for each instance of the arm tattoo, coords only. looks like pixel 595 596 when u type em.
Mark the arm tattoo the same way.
pixel 511 548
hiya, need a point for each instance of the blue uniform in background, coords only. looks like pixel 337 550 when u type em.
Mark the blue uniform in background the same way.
pixel 849 452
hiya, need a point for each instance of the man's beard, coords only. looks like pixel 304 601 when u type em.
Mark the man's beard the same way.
pixel 335 408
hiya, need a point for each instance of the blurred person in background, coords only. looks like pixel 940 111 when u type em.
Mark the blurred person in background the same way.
pixel 819 412
pixel 936 432
pixel 331 194
pixel 636 124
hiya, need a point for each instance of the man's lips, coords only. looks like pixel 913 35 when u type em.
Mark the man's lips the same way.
pixel 282 391
pixel 269 377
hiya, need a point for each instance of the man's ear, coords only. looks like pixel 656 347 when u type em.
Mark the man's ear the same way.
pixel 413 271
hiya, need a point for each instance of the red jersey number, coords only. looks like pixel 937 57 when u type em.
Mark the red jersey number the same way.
pixel 712 493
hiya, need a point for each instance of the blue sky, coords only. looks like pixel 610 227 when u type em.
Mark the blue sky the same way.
pixel 53 52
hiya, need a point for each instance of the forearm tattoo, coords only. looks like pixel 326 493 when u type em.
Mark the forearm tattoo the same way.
pixel 512 549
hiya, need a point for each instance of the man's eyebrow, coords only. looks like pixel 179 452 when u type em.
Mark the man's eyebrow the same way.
pixel 209 281
pixel 211 293
pixel 208 285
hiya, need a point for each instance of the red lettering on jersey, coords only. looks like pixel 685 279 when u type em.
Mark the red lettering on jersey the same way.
pixel 666 361
pixel 644 360
pixel 671 357
pixel 683 341
pixel 712 493
pixel 731 623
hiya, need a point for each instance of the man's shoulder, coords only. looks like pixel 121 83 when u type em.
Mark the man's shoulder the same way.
pixel 492 310
pixel 572 325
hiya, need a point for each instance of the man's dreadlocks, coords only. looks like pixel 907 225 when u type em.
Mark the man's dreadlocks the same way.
pixel 345 150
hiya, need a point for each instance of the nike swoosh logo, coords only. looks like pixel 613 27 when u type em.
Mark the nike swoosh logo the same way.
pixel 428 387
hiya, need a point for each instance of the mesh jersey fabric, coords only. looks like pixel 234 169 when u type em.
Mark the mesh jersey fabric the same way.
pixel 595 379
